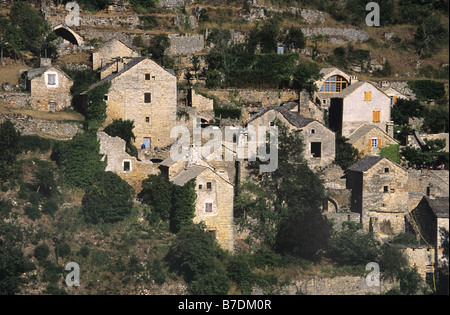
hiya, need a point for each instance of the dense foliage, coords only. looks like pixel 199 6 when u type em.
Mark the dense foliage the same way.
pixel 9 148
pixel 123 129
pixel 96 110
pixel 79 160
pixel 109 199
pixel 346 153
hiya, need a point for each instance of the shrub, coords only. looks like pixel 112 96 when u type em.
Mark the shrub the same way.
pixel 33 212
pixel 108 199
pixel 41 252
pixel 157 192
pixel 427 89
pixel 183 205
pixel 84 251
pixel 50 207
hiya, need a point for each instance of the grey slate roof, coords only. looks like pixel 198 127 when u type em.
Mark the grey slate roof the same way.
pixel 188 174
pixel 33 73
pixel 350 89
pixel 115 39
pixel 439 206
pixel 294 118
pixel 363 130
pixel 365 163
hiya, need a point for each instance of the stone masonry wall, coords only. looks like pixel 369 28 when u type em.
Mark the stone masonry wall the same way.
pixel 260 98
pixel 28 125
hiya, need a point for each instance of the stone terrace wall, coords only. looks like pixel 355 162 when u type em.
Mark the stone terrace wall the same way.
pixel 27 125
pixel 17 100
pixel 259 98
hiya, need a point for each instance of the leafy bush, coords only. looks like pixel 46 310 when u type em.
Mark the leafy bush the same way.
pixel 41 252
pixel 50 207
pixel 346 153
pixel 109 199
pixel 427 89
pixel 33 212
pixel 124 130
pixel 183 205
pixel 157 192
pixel 9 148
pixel 96 111
pixel 79 160
pixel 36 144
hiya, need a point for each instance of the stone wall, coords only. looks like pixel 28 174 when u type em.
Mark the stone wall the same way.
pixel 257 98
pixel 341 285
pixel 421 182
pixel 337 35
pixel 16 99
pixel 28 125
pixel 186 44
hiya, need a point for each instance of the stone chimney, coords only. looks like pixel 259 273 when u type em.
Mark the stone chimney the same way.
pixel 44 62
pixel 353 79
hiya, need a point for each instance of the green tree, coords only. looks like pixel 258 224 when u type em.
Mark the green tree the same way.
pixel 346 153
pixel 430 36
pixel 294 38
pixel 305 75
pixel 157 192
pixel 96 110
pixel 353 247
pixel 293 192
pixel 79 160
pixel 41 251
pixel 9 147
pixel 12 267
pixel 109 199
pixel 183 205
pixel 194 254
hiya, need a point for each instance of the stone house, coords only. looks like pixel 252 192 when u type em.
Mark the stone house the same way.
pixel 49 87
pixel 379 193
pixel 146 93
pixel 333 81
pixel 128 167
pixel 319 140
pixel 429 221
pixel 114 48
pixel 370 139
pixel 360 103
pixel 215 193
pixel 393 94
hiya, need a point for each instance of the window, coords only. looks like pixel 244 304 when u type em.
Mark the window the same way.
pixel 126 166
pixel 209 185
pixel 51 79
pixel 316 149
pixel 147 76
pixel 105 97
pixel 147 97
pixel 313 130
pixel 200 187
pixel 52 107
pixel 334 84
pixel 367 96
pixel 374 143
pixel 208 207
pixel 385 189
pixel 147 119
pixel 376 116
pixel 386 169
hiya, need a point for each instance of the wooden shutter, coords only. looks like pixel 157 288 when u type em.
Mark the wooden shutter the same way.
pixel 376 116
pixel 379 143
pixel 367 96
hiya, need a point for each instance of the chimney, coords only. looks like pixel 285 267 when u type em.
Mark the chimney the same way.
pixel 353 79
pixel 44 62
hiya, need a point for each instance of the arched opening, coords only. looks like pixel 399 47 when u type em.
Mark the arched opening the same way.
pixel 334 84
pixel 330 206
pixel 66 35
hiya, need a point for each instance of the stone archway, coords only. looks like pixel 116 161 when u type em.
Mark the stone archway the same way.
pixel 330 206
pixel 65 32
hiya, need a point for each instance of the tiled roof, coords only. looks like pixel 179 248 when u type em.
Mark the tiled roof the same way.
pixel 365 163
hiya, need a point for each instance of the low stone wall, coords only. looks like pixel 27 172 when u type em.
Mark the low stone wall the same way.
pixel 28 125
pixel 17 100
pixel 257 98
pixel 343 285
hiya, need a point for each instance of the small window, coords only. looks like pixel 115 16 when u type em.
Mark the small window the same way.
pixel 105 97
pixel 367 96
pixel 209 185
pixel 386 169
pixel 392 190
pixel 51 79
pixel 385 189
pixel 200 187
pixel 208 207
pixel 374 143
pixel 126 166
pixel 147 119
pixel 147 76
pixel 147 97
pixel 313 131
pixel 52 107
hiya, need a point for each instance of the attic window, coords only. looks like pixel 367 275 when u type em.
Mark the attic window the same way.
pixel 51 79
pixel 147 76
pixel 209 185
pixel 313 131
pixel 386 169
pixel 368 96
pixel 385 189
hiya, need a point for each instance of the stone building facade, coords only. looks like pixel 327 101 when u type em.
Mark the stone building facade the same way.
pixel 369 139
pixel 128 167
pixel 358 104
pixel 49 87
pixel 380 194
pixel 110 50
pixel 215 193
pixel 319 141
pixel 146 93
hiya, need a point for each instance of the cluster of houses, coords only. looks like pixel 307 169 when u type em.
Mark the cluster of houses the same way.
pixel 382 195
